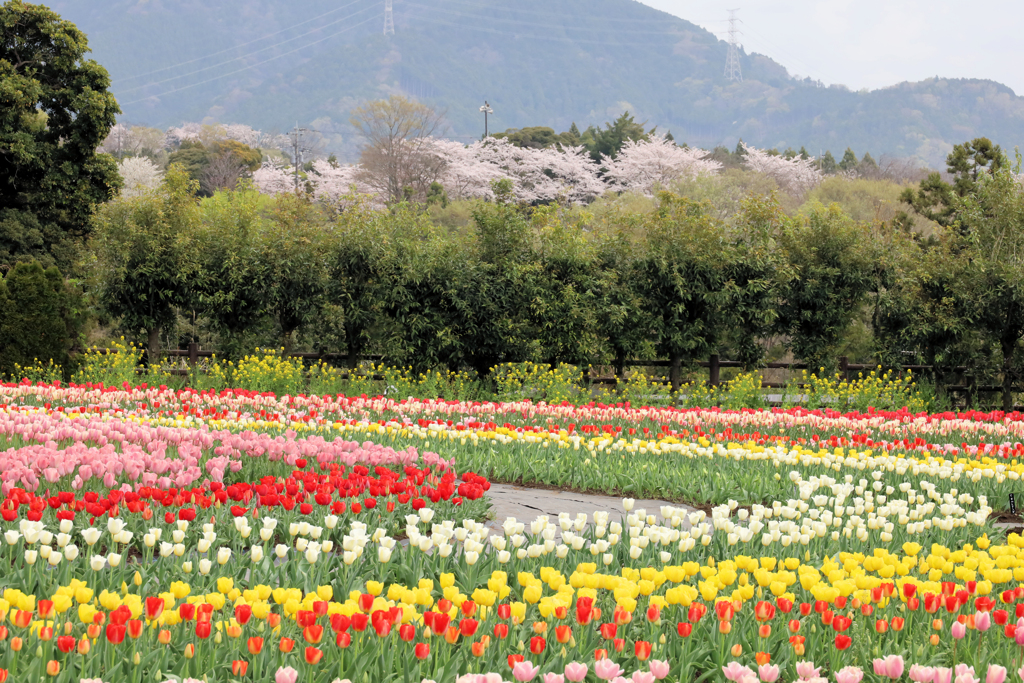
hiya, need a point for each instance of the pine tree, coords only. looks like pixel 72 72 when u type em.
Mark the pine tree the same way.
pixel 849 161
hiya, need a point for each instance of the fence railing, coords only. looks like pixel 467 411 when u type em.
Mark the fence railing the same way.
pixel 967 387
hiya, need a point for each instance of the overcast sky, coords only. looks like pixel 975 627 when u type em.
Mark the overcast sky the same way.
pixel 874 43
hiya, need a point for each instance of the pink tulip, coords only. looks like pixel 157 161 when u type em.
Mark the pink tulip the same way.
pixel 878 665
pixel 659 667
pixel 958 630
pixel 921 674
pixel 1020 672
pixel 606 669
pixel 849 674
pixel 996 674
pixel 962 669
pixel 1019 635
pixel 642 677
pixel 575 671
pixel 894 666
pixel 735 671
pixel 982 621
pixel 524 671
pixel 551 677
pixel 286 674
pixel 806 670
pixel 619 679
pixel 942 675
pixel 966 678
pixel 769 673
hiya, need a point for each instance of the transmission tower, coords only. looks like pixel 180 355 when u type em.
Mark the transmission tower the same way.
pixel 732 59
pixel 389 20
pixel 298 148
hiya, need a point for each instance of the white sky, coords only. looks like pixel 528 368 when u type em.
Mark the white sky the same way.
pixel 874 43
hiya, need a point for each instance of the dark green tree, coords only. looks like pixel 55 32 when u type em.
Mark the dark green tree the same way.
pixel 828 163
pixel 607 142
pixel 147 257
pixel 849 160
pixel 937 200
pixel 56 112
pixel 833 270
pixel 34 317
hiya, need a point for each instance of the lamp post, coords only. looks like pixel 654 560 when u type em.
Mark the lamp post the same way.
pixel 486 109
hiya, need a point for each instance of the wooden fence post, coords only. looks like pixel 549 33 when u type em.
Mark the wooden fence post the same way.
pixel 193 355
pixel 713 370
pixel 844 367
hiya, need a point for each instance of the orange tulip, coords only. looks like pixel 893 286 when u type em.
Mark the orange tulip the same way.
pixel 84 645
pixel 3 675
pixel 763 658
pixel 451 634
pixel 239 667
pixel 17 643
pixel 540 627
pixel 53 667
pixel 45 608
pixel 45 633
pixel 94 631
pixel 190 651
pixel 737 650
pixel 313 655
pixel 233 631
pixel 164 637
pixel 642 650
pixel 286 645
pixel 255 645
pixel 478 649
pixel 563 633
pixel 273 620
pixel 764 630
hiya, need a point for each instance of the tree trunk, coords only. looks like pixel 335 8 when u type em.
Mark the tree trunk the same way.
pixel 676 372
pixel 1008 349
pixel 153 346
pixel 353 350
pixel 620 370
pixel 286 342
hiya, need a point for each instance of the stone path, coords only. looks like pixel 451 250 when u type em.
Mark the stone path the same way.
pixel 526 504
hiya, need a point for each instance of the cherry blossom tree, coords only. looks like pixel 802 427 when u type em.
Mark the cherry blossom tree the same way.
pixel 340 185
pixel 140 175
pixel 794 176
pixel 642 165
pixel 273 179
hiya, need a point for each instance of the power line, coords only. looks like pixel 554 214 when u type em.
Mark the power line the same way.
pixel 250 54
pixel 252 66
pixel 531 12
pixel 564 39
pixel 235 47
pixel 490 18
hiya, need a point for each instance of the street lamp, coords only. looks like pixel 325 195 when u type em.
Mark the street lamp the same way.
pixel 486 109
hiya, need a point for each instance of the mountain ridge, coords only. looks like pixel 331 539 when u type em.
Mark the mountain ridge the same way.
pixel 548 63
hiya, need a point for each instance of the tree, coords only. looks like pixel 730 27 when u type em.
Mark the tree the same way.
pixel 793 175
pixel 138 175
pixel 682 279
pixel 392 158
pixel 968 162
pixel 833 264
pixel 147 257
pixel 643 165
pixel 828 164
pixel 849 160
pixel 608 142
pixel 34 317
pixel 56 112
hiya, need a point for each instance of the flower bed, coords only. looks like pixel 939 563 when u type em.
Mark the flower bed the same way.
pixel 246 536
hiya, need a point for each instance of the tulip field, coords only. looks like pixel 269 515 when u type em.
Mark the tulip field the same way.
pixel 152 534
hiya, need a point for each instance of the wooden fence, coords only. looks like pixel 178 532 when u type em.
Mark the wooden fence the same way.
pixel 968 388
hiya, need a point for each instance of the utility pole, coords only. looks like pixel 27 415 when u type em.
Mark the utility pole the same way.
pixel 486 109
pixel 732 59
pixel 389 19
pixel 298 149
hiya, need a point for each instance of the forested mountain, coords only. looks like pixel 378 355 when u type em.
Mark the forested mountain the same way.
pixel 270 64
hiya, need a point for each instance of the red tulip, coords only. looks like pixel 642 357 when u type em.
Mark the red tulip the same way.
pixel 643 650
pixel 313 655
pixel 422 650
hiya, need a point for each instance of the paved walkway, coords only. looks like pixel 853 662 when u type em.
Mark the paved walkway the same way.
pixel 526 504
